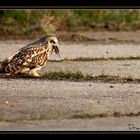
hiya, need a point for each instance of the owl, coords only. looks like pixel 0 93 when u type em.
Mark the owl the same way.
pixel 32 57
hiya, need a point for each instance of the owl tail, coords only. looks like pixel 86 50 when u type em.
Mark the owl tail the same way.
pixel 3 65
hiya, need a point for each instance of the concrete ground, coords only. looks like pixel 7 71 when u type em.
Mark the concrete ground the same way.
pixel 122 68
pixel 74 49
pixel 61 105
pixel 96 124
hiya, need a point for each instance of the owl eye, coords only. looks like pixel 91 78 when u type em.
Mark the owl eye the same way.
pixel 52 41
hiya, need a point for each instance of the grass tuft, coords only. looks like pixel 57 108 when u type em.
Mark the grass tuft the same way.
pixel 101 58
pixel 65 75
pixel 91 115
pixel 77 76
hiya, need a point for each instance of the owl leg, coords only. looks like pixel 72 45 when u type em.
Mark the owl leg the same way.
pixel 34 73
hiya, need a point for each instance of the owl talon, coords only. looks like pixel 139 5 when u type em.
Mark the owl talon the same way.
pixel 35 74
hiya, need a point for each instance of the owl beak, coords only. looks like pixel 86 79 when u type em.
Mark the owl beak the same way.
pixel 57 45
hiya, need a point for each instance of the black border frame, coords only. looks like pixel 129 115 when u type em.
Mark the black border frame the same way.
pixel 69 4
pixel 72 4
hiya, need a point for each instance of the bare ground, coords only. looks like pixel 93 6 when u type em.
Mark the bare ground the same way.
pixel 121 68
pixel 81 49
pixel 100 36
pixel 25 103
pixel 96 124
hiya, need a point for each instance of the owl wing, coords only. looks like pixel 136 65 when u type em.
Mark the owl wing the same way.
pixel 29 56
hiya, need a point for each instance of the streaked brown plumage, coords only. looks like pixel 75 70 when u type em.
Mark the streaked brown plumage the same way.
pixel 31 57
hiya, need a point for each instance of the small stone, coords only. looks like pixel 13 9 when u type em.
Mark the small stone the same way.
pixel 6 102
pixel 111 86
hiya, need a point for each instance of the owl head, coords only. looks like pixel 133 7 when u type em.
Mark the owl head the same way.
pixel 52 41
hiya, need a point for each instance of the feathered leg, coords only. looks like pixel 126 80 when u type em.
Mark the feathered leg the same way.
pixel 34 72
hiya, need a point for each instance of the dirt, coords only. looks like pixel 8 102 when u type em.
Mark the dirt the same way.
pixel 100 36
pixel 82 36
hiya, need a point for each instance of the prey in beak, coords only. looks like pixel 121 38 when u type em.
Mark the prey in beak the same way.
pixel 55 46
pixel 56 50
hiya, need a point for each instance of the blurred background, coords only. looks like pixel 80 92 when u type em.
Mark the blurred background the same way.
pixel 33 23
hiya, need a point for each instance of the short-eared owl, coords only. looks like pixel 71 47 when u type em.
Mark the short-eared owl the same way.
pixel 31 57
